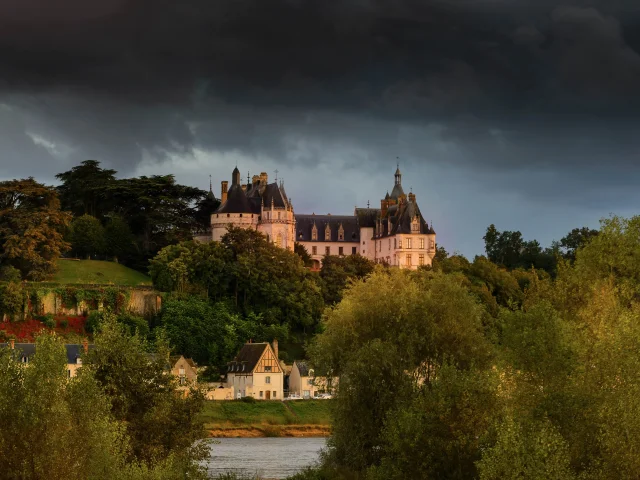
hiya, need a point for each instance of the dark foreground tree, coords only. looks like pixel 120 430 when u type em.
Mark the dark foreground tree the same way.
pixel 56 427
pixel 159 420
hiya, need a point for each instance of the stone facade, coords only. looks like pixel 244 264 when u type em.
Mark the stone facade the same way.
pixel 395 234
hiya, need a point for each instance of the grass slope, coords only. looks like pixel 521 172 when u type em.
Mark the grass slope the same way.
pixel 239 413
pixel 97 271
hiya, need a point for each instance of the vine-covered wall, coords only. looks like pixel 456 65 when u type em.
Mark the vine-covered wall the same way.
pixel 43 299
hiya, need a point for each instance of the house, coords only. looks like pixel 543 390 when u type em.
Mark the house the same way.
pixel 303 382
pixel 74 353
pixel 255 372
pixel 184 369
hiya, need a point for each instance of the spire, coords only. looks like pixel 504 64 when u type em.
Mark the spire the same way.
pixel 398 175
pixel 235 177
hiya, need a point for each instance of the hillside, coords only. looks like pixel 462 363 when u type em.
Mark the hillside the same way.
pixel 97 271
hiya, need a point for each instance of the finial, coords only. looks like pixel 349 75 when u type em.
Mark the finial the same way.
pixel 248 181
pixel 210 185
pixel 367 203
pixel 397 162
pixel 276 172
pixel 410 189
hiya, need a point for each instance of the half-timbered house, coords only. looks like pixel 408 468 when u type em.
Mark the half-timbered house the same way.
pixel 255 372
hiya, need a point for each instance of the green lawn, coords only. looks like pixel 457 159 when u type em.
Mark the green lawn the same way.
pixel 235 412
pixel 97 271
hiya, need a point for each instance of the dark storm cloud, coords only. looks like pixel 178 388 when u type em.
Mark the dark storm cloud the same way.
pixel 493 86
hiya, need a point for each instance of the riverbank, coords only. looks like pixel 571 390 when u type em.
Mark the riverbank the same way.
pixel 242 419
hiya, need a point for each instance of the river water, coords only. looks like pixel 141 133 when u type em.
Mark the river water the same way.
pixel 270 458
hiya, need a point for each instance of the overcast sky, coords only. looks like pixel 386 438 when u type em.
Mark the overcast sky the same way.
pixel 521 113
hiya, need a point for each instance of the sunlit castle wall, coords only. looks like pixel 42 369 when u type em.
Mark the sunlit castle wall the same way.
pixel 220 223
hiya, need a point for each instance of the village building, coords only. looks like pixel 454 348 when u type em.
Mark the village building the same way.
pixel 74 353
pixel 395 234
pixel 303 382
pixel 184 369
pixel 256 372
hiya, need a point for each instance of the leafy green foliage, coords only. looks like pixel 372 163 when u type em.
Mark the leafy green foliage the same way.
pixel 12 299
pixel 337 271
pixel 87 237
pixel 158 420
pixel 31 228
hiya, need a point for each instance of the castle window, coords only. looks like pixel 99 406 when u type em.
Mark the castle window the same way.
pixel 389 244
pixel 228 215
pixel 341 251
pixel 409 260
pixel 354 250
pixel 341 234
pixel 408 243
pixel 314 232
pixel 422 243
pixel 327 233
pixel 278 215
pixel 314 250
pixel 240 215
pixel 415 226
pixel 279 240
pixel 327 250
pixel 431 245
pixel 217 215
pixel 421 259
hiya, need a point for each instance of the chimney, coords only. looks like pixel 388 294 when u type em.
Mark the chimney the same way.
pixel 223 191
pixel 12 343
pixel 275 347
pixel 85 345
pixel 264 178
pixel 384 205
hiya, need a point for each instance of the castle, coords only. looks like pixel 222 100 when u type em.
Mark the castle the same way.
pixel 396 233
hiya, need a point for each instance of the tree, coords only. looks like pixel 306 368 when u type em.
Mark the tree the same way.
pixel 299 250
pixel 575 239
pixel 119 241
pixel 87 237
pixel 84 187
pixel 31 228
pixel 159 421
pixel 336 272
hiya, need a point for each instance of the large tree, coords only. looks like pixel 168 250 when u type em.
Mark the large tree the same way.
pixel 83 189
pixel 31 227
pixel 87 237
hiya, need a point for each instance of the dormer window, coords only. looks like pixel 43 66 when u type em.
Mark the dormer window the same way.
pixel 415 225
pixel 341 234
pixel 314 233
pixel 327 232
pixel 78 361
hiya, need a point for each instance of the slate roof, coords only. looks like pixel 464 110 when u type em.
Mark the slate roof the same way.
pixel 401 216
pixel 73 350
pixel 367 216
pixel 247 358
pixel 303 368
pixel 304 227
pixel 236 202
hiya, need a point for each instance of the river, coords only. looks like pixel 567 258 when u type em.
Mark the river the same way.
pixel 268 457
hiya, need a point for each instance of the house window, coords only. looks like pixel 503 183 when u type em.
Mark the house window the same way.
pixel 408 243
pixel 422 243
pixel 420 259
pixel 327 250
pixel 68 373
pixel 78 361
pixel 310 382
pixel 314 250
pixel 267 379
pixel 274 394
pixel 353 250
pixel 261 393
pixel 240 215
pixel 431 245
pixel 228 215
pixel 267 369
pixel 395 243
pixel 409 260
pixel 340 251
